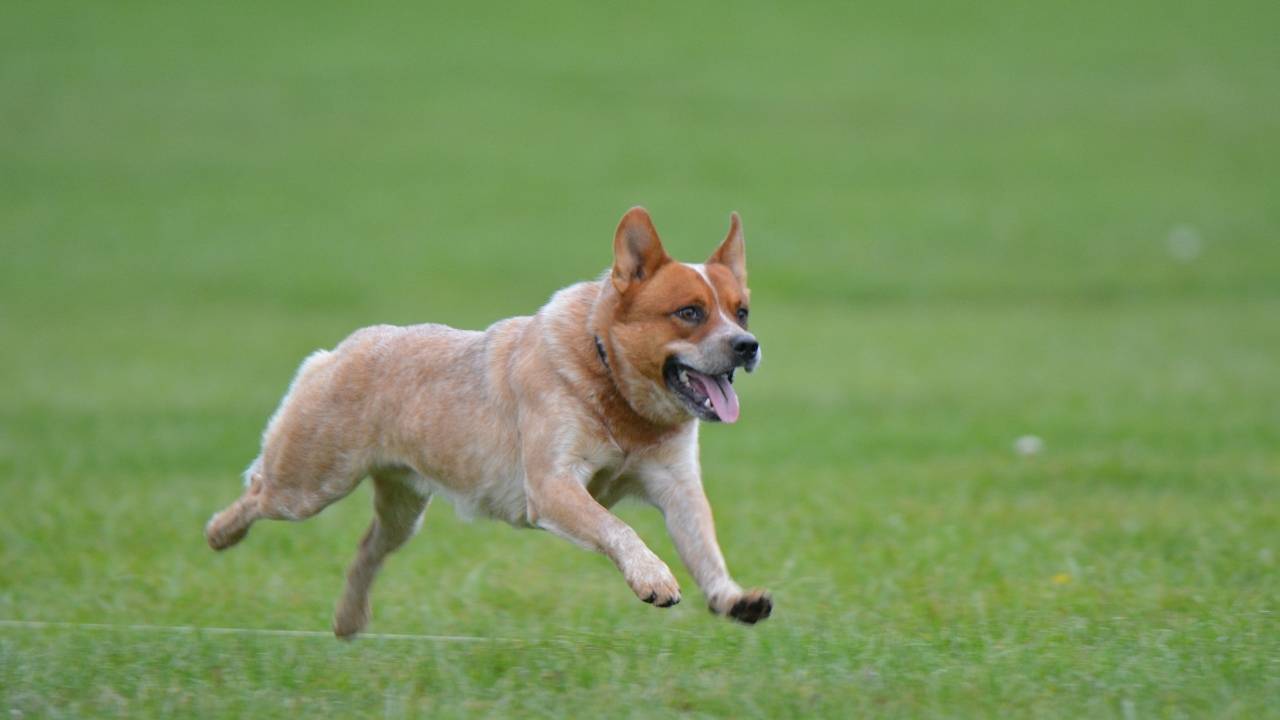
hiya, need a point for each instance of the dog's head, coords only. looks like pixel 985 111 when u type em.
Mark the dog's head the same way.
pixel 674 333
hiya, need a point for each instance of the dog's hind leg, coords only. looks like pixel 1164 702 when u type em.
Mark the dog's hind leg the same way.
pixel 399 505
pixel 312 454
pixel 229 527
pixel 289 482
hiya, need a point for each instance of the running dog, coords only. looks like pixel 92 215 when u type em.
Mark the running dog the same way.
pixel 544 421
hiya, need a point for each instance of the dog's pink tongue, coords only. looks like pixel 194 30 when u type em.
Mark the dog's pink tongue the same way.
pixel 723 398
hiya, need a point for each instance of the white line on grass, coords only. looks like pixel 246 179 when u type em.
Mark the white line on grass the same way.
pixel 193 629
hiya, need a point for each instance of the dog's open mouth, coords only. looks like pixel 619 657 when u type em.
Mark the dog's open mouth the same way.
pixel 709 397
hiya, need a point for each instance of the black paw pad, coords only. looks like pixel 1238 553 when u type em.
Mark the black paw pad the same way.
pixel 752 609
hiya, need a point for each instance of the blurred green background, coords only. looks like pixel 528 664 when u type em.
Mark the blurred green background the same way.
pixel 965 224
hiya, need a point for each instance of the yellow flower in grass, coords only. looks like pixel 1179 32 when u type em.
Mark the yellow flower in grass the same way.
pixel 1061 579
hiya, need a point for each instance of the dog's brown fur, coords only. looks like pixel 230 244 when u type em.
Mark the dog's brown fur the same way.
pixel 541 421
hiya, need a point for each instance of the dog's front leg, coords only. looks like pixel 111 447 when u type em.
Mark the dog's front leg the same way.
pixel 558 501
pixel 677 491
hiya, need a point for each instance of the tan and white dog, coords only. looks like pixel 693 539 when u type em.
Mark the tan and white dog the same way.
pixel 543 421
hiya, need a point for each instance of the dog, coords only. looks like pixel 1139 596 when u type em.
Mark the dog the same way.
pixel 544 421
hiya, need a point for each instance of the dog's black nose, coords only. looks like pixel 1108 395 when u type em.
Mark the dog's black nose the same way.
pixel 745 347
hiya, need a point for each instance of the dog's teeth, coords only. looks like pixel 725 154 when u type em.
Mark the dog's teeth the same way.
pixel 684 377
pixel 706 403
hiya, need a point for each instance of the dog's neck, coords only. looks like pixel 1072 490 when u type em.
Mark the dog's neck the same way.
pixel 627 425
pixel 604 356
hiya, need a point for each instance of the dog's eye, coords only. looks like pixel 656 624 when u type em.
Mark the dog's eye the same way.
pixel 691 314
pixel 742 316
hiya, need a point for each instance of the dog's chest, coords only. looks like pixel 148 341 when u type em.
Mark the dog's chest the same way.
pixel 614 481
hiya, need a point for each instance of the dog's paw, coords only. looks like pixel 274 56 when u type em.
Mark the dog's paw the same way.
pixel 221 533
pixel 749 607
pixel 651 580
pixel 351 619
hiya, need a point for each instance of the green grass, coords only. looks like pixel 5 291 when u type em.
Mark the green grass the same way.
pixel 958 223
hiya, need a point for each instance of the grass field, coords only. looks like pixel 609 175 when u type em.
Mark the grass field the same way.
pixel 964 225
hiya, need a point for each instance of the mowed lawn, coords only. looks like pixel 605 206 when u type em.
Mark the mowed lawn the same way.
pixel 964 225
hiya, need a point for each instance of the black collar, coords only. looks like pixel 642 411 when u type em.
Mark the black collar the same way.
pixel 604 358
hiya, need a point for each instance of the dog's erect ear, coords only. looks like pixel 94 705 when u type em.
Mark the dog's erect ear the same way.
pixel 637 251
pixel 732 253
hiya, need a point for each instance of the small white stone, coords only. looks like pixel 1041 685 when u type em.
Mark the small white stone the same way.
pixel 1028 445
pixel 1184 243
